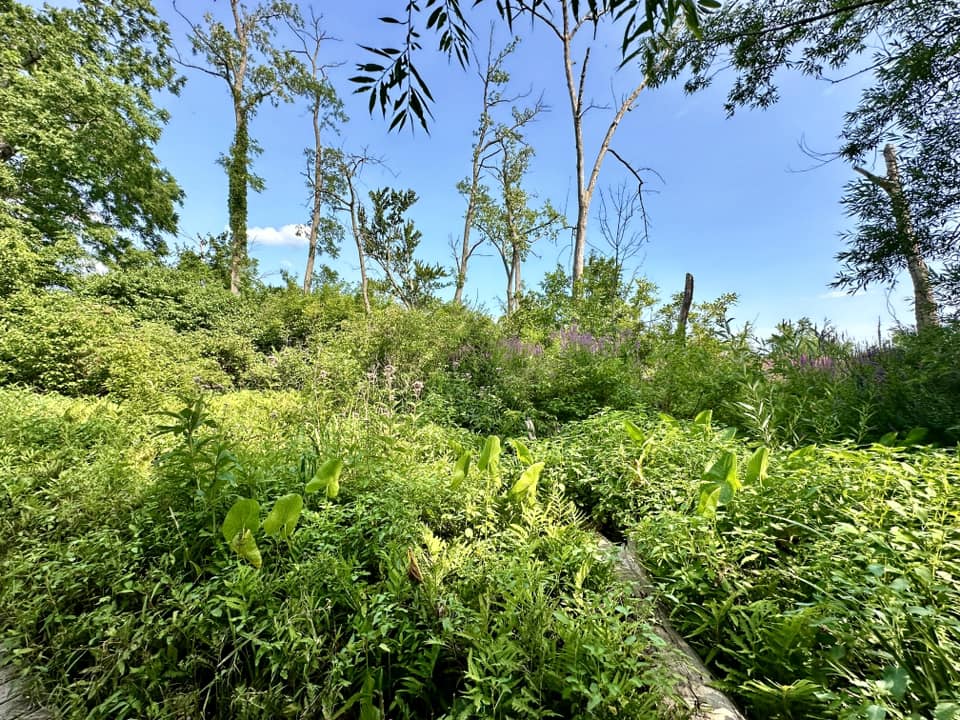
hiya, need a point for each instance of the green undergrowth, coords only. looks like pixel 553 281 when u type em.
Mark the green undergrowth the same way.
pixel 416 587
pixel 821 582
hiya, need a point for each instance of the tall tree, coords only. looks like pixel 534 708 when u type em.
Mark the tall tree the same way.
pixel 244 56
pixel 493 78
pixel 887 239
pixel 566 25
pixel 390 240
pixel 912 103
pixel 341 177
pixel 507 221
pixel 78 126
pixel 326 114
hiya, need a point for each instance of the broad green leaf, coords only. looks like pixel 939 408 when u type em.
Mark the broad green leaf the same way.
pixel 946 711
pixel 724 471
pixel 526 485
pixel 709 500
pixel 327 474
pixel 727 434
pixel 889 439
pixel 703 418
pixel 284 515
pixel 635 433
pixel 461 469
pixel 801 454
pixel 757 466
pixel 333 487
pixel 490 456
pixel 243 515
pixel 895 681
pixel 246 547
pixel 915 436
pixel 523 453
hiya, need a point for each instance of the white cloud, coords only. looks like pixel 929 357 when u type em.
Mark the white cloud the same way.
pixel 286 265
pixel 834 295
pixel 286 235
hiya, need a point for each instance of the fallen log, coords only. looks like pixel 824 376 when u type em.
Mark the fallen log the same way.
pixel 14 705
pixel 703 701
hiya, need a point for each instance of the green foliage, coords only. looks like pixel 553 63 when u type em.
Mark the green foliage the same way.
pixel 62 342
pixel 405 598
pixel 391 240
pixel 646 27
pixel 823 589
pixel 78 126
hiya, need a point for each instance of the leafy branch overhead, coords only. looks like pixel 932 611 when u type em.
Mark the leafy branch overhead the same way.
pixel 393 83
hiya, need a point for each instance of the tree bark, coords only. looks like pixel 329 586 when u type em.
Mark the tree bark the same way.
pixel 513 282
pixel 924 305
pixel 358 239
pixel 685 307
pixel 698 698
pixel 317 208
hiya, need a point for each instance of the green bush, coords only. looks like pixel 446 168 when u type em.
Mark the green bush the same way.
pixel 62 342
pixel 193 299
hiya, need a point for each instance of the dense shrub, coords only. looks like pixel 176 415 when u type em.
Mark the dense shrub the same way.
pixel 185 300
pixel 63 342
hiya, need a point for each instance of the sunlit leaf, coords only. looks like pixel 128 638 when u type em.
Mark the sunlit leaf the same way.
pixel 523 453
pixel 327 475
pixel 284 515
pixel 703 418
pixel 709 500
pixel 635 433
pixel 757 466
pixel 490 456
pixel 246 547
pixel 243 515
pixel 525 488
pixel 461 468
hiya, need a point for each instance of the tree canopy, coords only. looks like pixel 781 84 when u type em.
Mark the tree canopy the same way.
pixel 912 51
pixel 78 126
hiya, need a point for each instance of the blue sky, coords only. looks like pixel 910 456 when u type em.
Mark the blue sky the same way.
pixel 733 209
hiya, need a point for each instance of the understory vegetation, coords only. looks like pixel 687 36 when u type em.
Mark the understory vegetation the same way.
pixel 280 506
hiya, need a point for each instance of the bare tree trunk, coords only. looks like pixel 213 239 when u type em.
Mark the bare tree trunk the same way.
pixel 924 305
pixel 685 307
pixel 317 208
pixel 358 238
pixel 513 282
pixel 517 284
pixel 465 250
pixel 575 88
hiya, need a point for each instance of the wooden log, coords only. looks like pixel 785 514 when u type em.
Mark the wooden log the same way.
pixel 703 701
pixel 14 705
